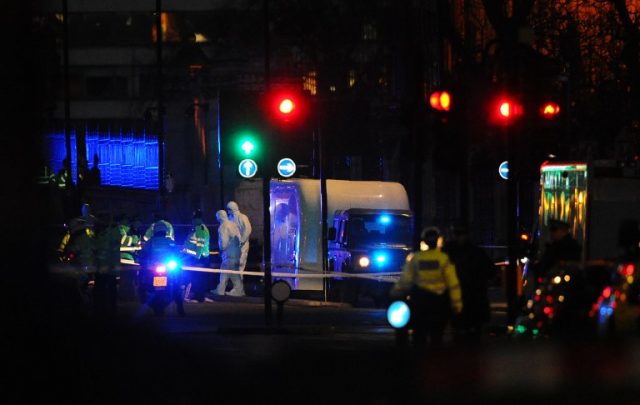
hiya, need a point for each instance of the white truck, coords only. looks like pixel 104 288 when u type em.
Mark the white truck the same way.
pixel 379 209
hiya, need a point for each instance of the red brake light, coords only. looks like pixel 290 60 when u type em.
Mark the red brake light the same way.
pixel 628 269
pixel 161 269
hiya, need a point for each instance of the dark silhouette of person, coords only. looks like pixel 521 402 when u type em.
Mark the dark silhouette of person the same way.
pixel 629 240
pixel 94 173
pixel 561 248
pixel 475 270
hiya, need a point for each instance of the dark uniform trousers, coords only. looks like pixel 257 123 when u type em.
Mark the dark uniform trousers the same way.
pixel 431 312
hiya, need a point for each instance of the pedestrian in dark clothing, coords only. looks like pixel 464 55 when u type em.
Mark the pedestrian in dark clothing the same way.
pixel 107 267
pixel 475 270
pixel 562 247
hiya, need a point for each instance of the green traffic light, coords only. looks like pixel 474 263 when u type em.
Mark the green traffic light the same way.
pixel 247 147
pixel 246 144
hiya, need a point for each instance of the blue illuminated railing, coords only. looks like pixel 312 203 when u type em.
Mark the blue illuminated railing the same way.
pixel 125 158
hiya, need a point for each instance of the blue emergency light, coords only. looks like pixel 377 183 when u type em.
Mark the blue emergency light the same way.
pixel 172 264
pixel 385 219
pixel 380 258
pixel 398 314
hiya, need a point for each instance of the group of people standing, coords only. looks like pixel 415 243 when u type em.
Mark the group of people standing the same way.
pixel 105 242
pixel 448 281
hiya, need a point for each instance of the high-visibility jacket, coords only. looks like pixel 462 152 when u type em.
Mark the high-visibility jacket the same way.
pixel 149 233
pixel 157 249
pixel 82 244
pixel 432 271
pixel 197 243
pixel 128 243
pixel 66 238
pixel 62 179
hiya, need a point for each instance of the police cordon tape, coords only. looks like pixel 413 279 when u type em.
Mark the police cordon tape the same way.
pixel 390 277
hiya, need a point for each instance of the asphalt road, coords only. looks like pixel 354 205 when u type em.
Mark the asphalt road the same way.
pixel 221 352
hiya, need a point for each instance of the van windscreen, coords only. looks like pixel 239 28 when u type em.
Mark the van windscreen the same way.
pixel 387 229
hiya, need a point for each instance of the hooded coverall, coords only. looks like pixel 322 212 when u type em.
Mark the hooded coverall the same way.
pixel 244 225
pixel 229 245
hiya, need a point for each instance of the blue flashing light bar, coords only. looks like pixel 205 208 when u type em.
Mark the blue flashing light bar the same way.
pixel 385 219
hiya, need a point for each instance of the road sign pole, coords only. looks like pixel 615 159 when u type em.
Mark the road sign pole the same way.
pixel 323 210
pixel 266 246
pixel 512 266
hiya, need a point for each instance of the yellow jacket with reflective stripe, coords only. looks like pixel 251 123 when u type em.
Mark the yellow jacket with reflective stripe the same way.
pixel 432 271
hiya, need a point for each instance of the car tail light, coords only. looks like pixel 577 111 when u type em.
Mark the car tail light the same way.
pixel 161 269
pixel 628 269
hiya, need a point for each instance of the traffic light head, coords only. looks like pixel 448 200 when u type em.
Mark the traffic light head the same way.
pixel 549 110
pixel 440 100
pixel 246 145
pixel 286 107
pixel 505 110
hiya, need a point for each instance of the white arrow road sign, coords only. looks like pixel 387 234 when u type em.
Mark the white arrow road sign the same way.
pixel 248 168
pixel 286 167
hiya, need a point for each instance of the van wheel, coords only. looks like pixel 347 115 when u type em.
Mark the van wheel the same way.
pixel 351 292
pixel 335 290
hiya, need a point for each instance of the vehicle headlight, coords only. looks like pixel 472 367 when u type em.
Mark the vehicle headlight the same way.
pixel 364 261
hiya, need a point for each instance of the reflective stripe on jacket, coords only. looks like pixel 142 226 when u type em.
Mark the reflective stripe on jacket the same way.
pixel 198 242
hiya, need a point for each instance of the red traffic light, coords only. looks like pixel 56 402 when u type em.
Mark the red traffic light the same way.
pixel 286 106
pixel 440 100
pixel 550 110
pixel 505 110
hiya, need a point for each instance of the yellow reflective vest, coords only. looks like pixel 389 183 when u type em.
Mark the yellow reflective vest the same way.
pixel 432 271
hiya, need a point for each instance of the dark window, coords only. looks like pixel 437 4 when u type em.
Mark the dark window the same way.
pixel 102 87
pixel 104 29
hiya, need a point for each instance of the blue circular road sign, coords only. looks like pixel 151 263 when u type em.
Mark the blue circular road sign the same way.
pixel 248 168
pixel 286 167
pixel 503 170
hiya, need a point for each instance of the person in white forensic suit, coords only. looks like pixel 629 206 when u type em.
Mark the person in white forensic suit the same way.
pixel 229 245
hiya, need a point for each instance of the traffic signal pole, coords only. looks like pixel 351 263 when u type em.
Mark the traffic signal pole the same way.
pixel 323 209
pixel 67 100
pixel 161 160
pixel 266 179
pixel 511 278
pixel 266 245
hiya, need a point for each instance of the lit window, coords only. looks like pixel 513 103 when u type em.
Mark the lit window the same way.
pixel 201 38
pixel 352 78
pixel 310 82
